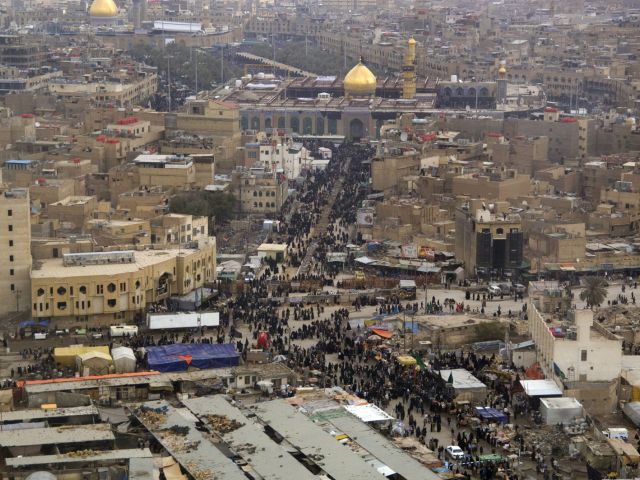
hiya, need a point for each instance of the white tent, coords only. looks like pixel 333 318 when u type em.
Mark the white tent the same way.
pixel 124 359
pixel 93 363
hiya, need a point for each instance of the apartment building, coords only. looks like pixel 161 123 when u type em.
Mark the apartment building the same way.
pixel 15 238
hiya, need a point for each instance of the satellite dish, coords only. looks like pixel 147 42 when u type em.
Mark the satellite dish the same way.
pixel 37 124
pixel 404 136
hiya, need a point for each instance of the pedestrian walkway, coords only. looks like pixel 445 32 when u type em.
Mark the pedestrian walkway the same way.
pixel 323 223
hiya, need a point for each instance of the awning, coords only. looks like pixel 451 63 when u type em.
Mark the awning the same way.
pixel 368 413
pixel 382 333
pixel 406 360
pixel 540 388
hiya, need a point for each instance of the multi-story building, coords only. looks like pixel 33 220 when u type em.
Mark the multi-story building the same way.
pixel 165 170
pixel 258 191
pixel 15 238
pixel 488 241
pixel 574 351
pixel 103 288
pixel 21 52
pixel 132 90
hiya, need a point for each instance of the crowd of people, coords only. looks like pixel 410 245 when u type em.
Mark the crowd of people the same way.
pixel 323 343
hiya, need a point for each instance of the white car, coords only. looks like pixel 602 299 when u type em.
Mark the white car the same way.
pixel 454 452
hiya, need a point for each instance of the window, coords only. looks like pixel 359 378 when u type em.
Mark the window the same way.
pixel 13 287
pixel 11 243
pixel 61 290
pixel 11 228
pixel 11 258
pixel 499 231
pixel 11 271
pixel 583 355
pixel 111 287
pixel 40 292
pixel 123 286
pixel 83 289
pixel 111 302
pixel 99 289
pixel 9 213
pixel 62 305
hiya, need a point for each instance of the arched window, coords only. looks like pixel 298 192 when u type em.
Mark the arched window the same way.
pixel 447 92
pixel 295 124
pixel 307 126
pixel 333 126
pixel 267 123
pixel 255 123
pixel 471 92
pixel 319 126
pixel 281 122
pixel 244 123
pixel 484 92
pixel 459 91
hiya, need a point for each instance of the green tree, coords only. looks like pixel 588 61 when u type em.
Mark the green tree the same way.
pixel 594 292
pixel 219 205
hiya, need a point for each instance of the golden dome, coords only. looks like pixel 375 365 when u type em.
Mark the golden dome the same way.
pixel 412 41
pixel 103 8
pixel 502 69
pixel 360 81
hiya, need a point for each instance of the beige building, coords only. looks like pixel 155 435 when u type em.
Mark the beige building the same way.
pixel 128 92
pixel 259 192
pixel 492 185
pixel 74 211
pixel 112 287
pixel 170 171
pixel 176 228
pixel 15 238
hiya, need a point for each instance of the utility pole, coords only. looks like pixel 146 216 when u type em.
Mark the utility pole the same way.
pixel 222 64
pixel 196 89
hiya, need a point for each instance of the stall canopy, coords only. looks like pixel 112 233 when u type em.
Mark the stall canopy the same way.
pixel 178 357
pixel 124 360
pixel 382 333
pixel 166 321
pixel 66 356
pixel 33 323
pixel 94 363
pixel 406 360
pixel 491 414
pixel 368 413
pixel 541 388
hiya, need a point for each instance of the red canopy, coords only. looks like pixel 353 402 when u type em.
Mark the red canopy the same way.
pixel 382 333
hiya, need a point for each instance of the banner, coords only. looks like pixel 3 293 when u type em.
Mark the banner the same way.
pixel 409 251
pixel 365 216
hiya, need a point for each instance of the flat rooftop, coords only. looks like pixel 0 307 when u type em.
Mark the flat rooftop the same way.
pixel 105 456
pixel 39 414
pixel 313 441
pixel 269 459
pixel 56 435
pixel 54 267
pixel 203 460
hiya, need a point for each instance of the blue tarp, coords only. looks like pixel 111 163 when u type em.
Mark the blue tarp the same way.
pixel 178 357
pixel 32 323
pixel 491 414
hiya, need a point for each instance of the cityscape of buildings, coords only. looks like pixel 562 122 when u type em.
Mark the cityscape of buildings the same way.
pixel 329 239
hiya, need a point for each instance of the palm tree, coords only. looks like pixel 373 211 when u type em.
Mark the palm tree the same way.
pixel 594 292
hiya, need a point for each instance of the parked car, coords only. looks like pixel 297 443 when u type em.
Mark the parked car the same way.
pixel 454 452
pixel 518 288
pixel 495 289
